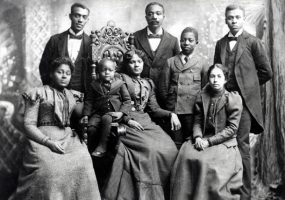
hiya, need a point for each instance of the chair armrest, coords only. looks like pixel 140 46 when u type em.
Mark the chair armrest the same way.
pixel 118 129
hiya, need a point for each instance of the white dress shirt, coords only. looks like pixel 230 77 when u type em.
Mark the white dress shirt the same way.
pixel 233 42
pixel 73 45
pixel 154 42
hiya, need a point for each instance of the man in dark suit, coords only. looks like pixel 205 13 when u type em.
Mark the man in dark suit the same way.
pixel 157 44
pixel 73 43
pixel 246 60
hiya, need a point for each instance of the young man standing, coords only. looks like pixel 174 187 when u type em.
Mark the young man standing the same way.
pixel 248 66
pixel 73 43
pixel 157 44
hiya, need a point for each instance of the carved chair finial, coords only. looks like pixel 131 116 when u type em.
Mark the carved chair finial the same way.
pixel 109 42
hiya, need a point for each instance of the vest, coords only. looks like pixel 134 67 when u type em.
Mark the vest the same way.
pixel 231 84
pixel 77 82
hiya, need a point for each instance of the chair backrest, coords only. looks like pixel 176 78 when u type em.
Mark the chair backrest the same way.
pixel 109 42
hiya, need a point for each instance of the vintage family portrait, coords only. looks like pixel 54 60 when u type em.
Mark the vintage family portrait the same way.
pixel 142 100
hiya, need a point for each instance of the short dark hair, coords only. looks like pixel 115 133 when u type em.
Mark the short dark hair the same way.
pixel 152 4
pixel 234 7
pixel 80 5
pixel 190 29
pixel 220 66
pixel 59 61
pixel 102 62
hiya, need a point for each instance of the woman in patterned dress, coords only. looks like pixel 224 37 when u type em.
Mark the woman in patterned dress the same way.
pixel 56 164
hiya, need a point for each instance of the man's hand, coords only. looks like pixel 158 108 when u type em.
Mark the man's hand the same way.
pixel 175 123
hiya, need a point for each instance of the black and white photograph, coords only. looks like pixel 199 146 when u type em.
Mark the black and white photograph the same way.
pixel 142 100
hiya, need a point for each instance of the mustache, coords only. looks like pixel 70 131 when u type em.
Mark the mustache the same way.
pixel 154 21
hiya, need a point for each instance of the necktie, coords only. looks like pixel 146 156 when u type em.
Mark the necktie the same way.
pixel 232 39
pixel 78 37
pixel 154 36
pixel 186 59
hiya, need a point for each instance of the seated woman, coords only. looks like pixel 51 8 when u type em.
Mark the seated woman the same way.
pixel 145 156
pixel 211 168
pixel 56 165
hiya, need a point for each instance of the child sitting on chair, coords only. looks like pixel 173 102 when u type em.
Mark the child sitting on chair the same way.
pixel 107 100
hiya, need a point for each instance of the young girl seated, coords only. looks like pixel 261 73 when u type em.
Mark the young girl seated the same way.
pixel 210 166
pixel 106 101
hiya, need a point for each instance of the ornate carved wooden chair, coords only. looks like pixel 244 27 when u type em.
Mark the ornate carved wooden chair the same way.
pixel 108 42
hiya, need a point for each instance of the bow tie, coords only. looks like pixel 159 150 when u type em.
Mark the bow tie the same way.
pixel 232 39
pixel 78 37
pixel 154 36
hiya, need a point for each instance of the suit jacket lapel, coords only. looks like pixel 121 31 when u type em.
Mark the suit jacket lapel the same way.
pixel 62 44
pixel 97 87
pixel 115 85
pixel 241 45
pixel 178 63
pixel 86 43
pixel 191 62
pixel 162 45
pixel 181 67
pixel 223 46
pixel 144 42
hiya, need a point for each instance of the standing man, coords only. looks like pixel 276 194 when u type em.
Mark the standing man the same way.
pixel 73 43
pixel 157 44
pixel 248 66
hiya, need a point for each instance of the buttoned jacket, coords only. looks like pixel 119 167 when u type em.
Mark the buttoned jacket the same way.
pixel 227 117
pixel 251 70
pixel 118 98
pixel 155 63
pixel 180 83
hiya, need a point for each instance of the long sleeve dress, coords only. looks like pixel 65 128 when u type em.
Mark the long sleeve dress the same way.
pixel 48 175
pixel 215 172
pixel 142 165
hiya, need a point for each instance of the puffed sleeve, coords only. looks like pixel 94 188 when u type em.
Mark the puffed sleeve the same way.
pixel 233 109
pixel 126 99
pixel 152 106
pixel 32 102
pixel 198 118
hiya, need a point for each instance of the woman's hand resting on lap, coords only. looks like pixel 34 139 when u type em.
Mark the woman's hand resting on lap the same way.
pixel 134 124
pixel 55 146
pixel 201 144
